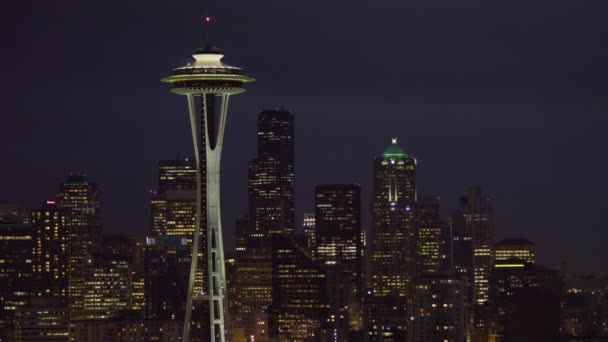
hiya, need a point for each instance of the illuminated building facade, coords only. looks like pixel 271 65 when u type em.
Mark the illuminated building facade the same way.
pixel 271 191
pixel 176 174
pixel 241 231
pixel 393 258
pixel 80 201
pixel 44 319
pixel 130 249
pixel 299 309
pixel 174 213
pixel 438 310
pixel 478 210
pixel 522 249
pixel 309 231
pixel 429 230
pixel 338 230
pixel 271 175
pixel 17 245
pixel 50 250
pixel 108 287
pixel 213 82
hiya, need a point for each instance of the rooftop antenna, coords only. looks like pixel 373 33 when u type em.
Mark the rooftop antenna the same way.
pixel 208 45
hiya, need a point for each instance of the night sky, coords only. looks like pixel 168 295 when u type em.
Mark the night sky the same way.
pixel 508 95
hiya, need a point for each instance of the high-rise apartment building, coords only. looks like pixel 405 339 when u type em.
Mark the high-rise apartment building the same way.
pixel 80 202
pixel 393 258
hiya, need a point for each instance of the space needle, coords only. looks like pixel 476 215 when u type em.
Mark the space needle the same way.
pixel 213 82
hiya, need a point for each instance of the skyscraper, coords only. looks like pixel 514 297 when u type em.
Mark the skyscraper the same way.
pixel 393 258
pixel 338 230
pixel 271 175
pixel 80 201
pixel 271 213
pixel 299 309
pixel 428 224
pixel 478 211
pixel 173 209
pixel 51 250
pixel 309 231
pixel 176 174
pixel 17 244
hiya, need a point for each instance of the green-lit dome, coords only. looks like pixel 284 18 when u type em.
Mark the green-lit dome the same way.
pixel 394 151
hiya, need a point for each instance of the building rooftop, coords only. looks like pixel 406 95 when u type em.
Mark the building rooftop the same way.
pixel 394 151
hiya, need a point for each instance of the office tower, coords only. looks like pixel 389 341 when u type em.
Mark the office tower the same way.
pixel 177 174
pixel 44 319
pixel 271 175
pixel 241 231
pixel 251 294
pixel 299 295
pixel 522 249
pixel 429 234
pixel 309 231
pixel 271 213
pixel 339 251
pixel 17 243
pixel 478 211
pixel 51 250
pixel 524 302
pixel 338 230
pixel 80 201
pixel 446 256
pixel 127 248
pixel 107 288
pixel 438 310
pixel 462 262
pixel 167 268
pixel 393 258
pixel 174 213
pixel 213 82
pixel 174 205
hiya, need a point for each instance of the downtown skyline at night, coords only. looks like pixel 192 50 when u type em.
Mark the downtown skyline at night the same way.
pixel 392 153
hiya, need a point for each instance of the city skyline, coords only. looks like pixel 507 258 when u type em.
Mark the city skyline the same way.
pixel 524 175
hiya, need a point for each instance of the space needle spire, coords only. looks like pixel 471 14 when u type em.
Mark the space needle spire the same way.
pixel 208 84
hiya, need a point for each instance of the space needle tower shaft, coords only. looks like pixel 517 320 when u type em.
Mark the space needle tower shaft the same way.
pixel 213 82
